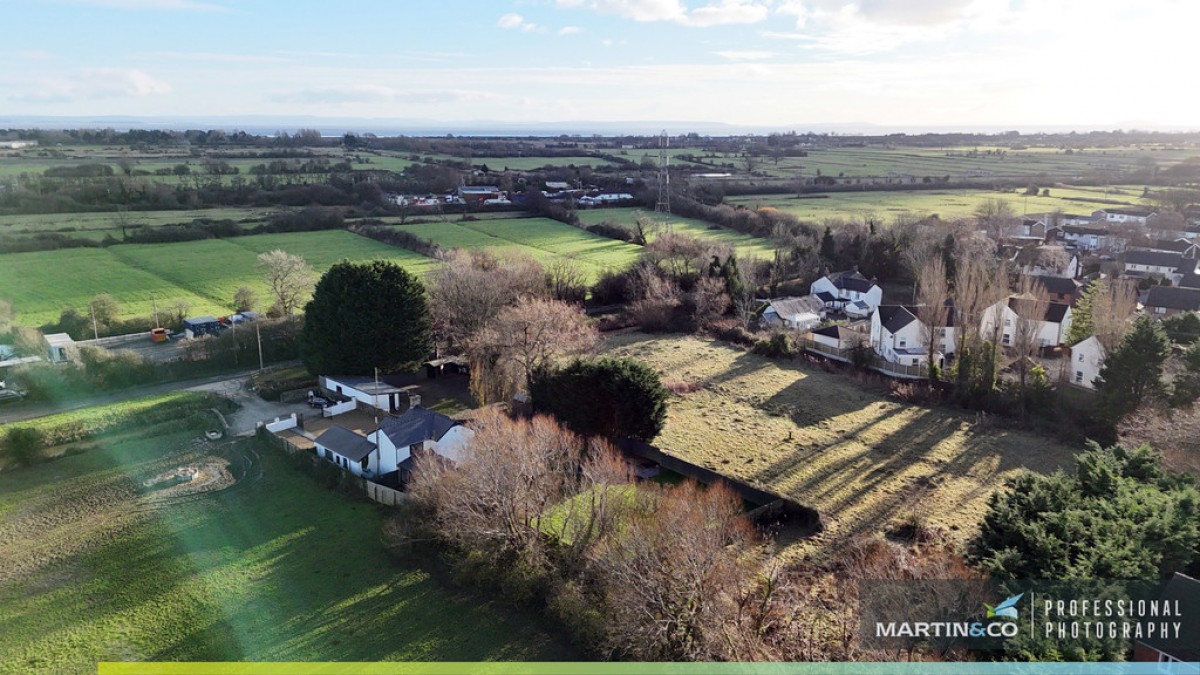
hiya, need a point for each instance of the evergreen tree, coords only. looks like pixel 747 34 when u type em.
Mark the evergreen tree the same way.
pixel 1082 326
pixel 1132 372
pixel 828 249
pixel 364 316
pixel 615 398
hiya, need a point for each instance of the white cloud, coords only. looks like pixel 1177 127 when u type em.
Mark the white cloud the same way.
pixel 569 30
pixel 718 13
pixel 511 21
pixel 747 55
pixel 94 83
pixel 726 12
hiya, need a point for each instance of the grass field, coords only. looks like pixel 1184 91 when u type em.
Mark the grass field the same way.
pixel 205 274
pixel 745 245
pixel 269 566
pixel 944 203
pixel 862 460
pixel 543 239
pixel 97 225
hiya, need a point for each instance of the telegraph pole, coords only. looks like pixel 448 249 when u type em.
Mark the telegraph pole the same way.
pixel 258 334
pixel 155 301
pixel 95 330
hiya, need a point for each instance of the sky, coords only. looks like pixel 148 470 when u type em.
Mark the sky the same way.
pixel 768 63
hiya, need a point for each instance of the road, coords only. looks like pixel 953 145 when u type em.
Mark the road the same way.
pixel 231 384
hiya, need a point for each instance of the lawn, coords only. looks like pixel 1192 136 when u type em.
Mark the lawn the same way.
pixel 205 274
pixel 541 238
pixel 268 566
pixel 948 204
pixel 863 460
pixel 746 246
pixel 97 225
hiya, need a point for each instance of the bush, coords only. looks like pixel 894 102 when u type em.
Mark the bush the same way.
pixel 23 445
pixel 613 288
pixel 614 398
pixel 779 346
pixel 734 334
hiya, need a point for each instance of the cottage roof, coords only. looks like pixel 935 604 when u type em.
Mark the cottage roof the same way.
pixel 1055 311
pixel 1083 230
pixel 346 443
pixel 1058 285
pixel 366 385
pixel 415 425
pixel 837 332
pixel 1141 211
pixel 1171 297
pixel 1153 258
pixel 1176 245
pixel 851 280
pixel 808 304
pixel 895 317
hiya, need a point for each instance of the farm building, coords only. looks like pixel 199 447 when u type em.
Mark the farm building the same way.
pixel 795 313
pixel 378 394
pixel 60 347
pixel 201 326
pixel 1087 357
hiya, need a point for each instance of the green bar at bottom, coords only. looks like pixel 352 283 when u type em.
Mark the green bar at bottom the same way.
pixel 580 668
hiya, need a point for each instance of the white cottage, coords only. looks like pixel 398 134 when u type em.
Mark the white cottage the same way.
pixel 392 447
pixel 848 291
pixel 1001 320
pixel 897 336
pixel 1087 358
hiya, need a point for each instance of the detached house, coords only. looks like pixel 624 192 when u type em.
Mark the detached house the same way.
pixel 897 336
pixel 1060 289
pixel 1087 358
pixel 390 449
pixel 1001 320
pixel 848 291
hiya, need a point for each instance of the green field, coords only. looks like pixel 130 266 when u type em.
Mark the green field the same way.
pixel 746 246
pixel 541 238
pixel 945 203
pixel 205 274
pixel 259 563
pixel 864 460
pixel 96 225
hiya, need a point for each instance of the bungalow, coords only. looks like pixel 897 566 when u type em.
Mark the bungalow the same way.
pixel 378 394
pixel 1181 245
pixel 1168 300
pixel 849 291
pixel 1048 260
pixel 1134 214
pixel 837 337
pixel 795 313
pixel 401 438
pixel 390 448
pixel 1001 320
pixel 1085 238
pixel 897 336
pixel 1146 263
pixel 1087 357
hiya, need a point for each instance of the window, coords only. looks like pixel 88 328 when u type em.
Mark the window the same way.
pixel 1166 664
pixel 1007 339
pixel 1007 321
pixel 329 454
pixel 1079 377
pixel 1081 357
pixel 365 461
pixel 903 342
pixel 1160 310
pixel 415 448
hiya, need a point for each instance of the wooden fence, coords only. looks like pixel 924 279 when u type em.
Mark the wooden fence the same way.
pixel 380 494
pixel 877 363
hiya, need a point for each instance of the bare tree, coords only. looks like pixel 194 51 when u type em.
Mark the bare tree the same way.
pixel 566 281
pixel 645 229
pixel 657 298
pixel 997 217
pixel 523 339
pixel 471 288
pixel 710 300
pixel 1112 311
pixel 1030 306
pixel 932 293
pixel 977 287
pixel 290 277
pixel 245 299
pixel 671 574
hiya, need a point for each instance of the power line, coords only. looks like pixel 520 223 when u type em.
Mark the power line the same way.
pixel 663 205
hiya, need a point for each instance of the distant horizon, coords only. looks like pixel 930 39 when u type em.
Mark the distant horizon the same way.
pixel 333 126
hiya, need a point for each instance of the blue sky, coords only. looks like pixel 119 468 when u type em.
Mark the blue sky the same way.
pixel 755 62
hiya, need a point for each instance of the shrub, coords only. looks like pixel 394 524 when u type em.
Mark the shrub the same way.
pixel 23 445
pixel 778 346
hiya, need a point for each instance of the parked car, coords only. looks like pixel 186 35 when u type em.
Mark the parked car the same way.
pixel 319 402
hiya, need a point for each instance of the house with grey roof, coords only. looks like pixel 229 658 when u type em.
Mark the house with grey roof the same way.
pixel 1167 300
pixel 848 291
pixel 386 455
pixel 1001 319
pixel 345 448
